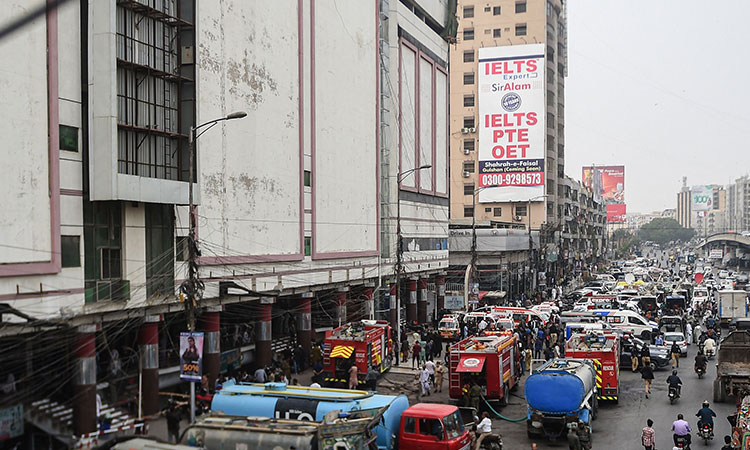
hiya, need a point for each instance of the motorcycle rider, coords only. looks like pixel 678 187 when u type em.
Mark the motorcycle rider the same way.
pixel 709 346
pixel 680 428
pixel 706 416
pixel 484 429
pixel 700 361
pixel 674 382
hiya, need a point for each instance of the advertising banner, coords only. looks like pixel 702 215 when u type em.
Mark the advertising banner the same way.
pixel 11 422
pixel 454 301
pixel 511 124
pixel 616 213
pixel 702 197
pixel 191 355
pixel 716 253
pixel 607 182
pixel 230 360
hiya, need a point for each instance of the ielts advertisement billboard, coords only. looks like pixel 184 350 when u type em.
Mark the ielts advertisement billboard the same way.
pixel 702 197
pixel 608 184
pixel 511 123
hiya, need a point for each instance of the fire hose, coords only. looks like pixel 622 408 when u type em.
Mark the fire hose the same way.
pixel 500 416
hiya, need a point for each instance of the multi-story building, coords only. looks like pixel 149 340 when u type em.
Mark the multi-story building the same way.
pixel 298 203
pixel 684 206
pixel 499 23
pixel 583 232
pixel 737 212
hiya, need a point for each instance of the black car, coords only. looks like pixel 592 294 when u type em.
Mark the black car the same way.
pixel 659 354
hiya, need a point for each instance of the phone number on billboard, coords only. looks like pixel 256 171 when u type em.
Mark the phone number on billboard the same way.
pixel 511 179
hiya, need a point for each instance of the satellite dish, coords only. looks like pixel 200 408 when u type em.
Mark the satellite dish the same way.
pixel 629 278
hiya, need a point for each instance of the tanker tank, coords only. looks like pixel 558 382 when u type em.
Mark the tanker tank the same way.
pixel 280 401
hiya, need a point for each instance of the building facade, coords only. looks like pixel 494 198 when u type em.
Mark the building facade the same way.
pixel 737 212
pixel 501 23
pixel 300 204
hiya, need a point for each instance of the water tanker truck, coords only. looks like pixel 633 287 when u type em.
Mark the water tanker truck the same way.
pixel 561 392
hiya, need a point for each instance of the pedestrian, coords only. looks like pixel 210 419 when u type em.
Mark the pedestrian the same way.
pixel 353 381
pixel 648 437
pixel 675 351
pixel 173 423
pixel 475 394
pixel 415 351
pixel 424 381
pixel 634 358
pixel 689 332
pixel 404 350
pixel 647 373
pixel 439 372
pixel 528 358
pixel 574 442
pixel 430 369
pixel 645 356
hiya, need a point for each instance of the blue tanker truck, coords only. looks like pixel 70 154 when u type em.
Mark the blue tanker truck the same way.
pixel 559 393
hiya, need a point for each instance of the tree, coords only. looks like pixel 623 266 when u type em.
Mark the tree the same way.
pixel 663 230
pixel 624 242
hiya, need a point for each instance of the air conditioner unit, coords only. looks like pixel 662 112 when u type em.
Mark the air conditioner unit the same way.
pixel 472 130
pixel 466 151
pixel 517 218
pixel 464 130
pixel 466 174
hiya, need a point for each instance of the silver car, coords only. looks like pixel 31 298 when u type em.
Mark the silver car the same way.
pixel 674 336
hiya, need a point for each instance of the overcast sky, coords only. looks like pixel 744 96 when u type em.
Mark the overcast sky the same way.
pixel 662 87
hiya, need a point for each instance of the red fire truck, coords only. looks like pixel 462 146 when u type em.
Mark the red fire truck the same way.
pixel 367 343
pixel 492 361
pixel 604 349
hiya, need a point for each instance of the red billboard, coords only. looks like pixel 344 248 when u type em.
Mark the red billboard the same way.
pixel 616 213
pixel 608 185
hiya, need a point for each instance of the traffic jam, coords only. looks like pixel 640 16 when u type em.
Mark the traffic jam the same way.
pixel 475 378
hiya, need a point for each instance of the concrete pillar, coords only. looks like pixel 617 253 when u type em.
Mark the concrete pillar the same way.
pixel 84 380
pixel 369 301
pixel 341 305
pixel 393 307
pixel 304 322
pixel 440 293
pixel 411 306
pixel 211 321
pixel 422 301
pixel 148 347
pixel 263 333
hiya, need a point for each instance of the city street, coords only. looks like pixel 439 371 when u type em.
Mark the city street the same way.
pixel 618 425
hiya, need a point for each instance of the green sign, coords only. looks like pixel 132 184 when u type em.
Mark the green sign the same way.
pixel 11 422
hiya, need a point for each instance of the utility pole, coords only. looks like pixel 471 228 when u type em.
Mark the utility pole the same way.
pixel 192 288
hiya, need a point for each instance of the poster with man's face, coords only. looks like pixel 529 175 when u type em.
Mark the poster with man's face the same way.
pixel 191 356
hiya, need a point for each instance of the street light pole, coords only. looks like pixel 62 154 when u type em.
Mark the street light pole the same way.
pixel 399 257
pixel 192 286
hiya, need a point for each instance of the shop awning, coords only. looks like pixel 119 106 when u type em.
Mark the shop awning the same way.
pixel 471 364
pixel 342 351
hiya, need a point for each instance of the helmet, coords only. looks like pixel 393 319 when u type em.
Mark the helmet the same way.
pixel 674 372
pixel 705 403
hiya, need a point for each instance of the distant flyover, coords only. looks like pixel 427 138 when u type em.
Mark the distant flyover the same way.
pixel 726 238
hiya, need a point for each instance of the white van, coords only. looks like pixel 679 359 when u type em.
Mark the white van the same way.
pixel 628 321
pixel 582 327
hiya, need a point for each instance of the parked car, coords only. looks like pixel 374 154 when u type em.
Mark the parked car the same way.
pixel 659 354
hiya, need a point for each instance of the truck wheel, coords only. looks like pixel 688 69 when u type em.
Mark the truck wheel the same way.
pixel 720 395
pixel 595 409
pixel 506 393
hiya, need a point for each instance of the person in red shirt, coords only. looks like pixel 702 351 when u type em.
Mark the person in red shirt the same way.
pixel 415 350
pixel 648 437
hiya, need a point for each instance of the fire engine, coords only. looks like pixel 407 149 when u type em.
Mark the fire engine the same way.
pixel 368 344
pixel 492 361
pixel 604 349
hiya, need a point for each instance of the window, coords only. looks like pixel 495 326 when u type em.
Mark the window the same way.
pixel 308 245
pixel 469 100
pixel 70 247
pixel 550 75
pixel 497 212
pixel 468 211
pixel 431 427
pixel 308 178
pixel 182 252
pixel 468 189
pixel 469 166
pixel 521 210
pixel 487 31
pixel 487 9
pixel 469 78
pixel 469 56
pixel 68 139
pixel 110 264
pixel 520 7
pixel 469 144
pixel 469 122
pixel 495 10
pixel 410 425
pixel 550 98
pixel 520 29
pixel 550 54
pixel 469 34
pixel 496 32
pixel 635 320
pixel 488 210
pixel 468 12
pixel 550 120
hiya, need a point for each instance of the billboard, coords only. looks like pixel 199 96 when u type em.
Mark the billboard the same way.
pixel 616 213
pixel 607 183
pixel 702 197
pixel 512 128
pixel 191 355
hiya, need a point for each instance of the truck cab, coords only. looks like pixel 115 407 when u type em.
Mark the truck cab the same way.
pixel 431 426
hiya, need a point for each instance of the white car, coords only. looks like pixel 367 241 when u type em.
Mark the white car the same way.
pixel 723 274
pixel 674 336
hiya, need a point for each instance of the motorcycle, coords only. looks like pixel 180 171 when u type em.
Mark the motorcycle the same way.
pixel 673 394
pixel 682 442
pixel 700 370
pixel 705 432
pixel 492 442
pixel 709 353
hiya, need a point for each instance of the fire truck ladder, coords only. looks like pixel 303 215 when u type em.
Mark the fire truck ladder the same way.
pixel 455 377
